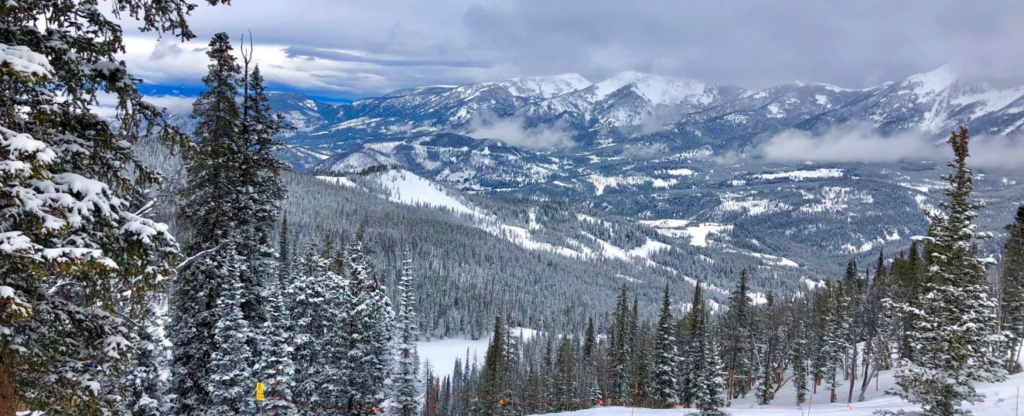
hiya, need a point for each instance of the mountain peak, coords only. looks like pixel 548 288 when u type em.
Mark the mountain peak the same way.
pixel 545 86
pixel 932 82
pixel 655 88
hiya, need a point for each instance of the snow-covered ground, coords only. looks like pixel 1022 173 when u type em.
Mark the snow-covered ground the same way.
pixel 1001 400
pixel 442 353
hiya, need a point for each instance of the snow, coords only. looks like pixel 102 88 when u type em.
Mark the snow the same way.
pixel 781 261
pixel 990 100
pixel 545 87
pixel 338 180
pixel 732 202
pixel 656 89
pixel 23 59
pixel 822 100
pixel 442 353
pixel 666 223
pixel 850 248
pixel 1001 400
pixel 407 188
pixel 934 82
pixel 800 175
pixel 650 247
pixel 814 284
pixel 679 172
pixel 699 233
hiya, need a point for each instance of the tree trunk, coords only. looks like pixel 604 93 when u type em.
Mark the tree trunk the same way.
pixel 8 398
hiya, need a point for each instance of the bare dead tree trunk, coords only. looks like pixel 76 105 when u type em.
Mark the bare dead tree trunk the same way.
pixel 853 373
pixel 8 397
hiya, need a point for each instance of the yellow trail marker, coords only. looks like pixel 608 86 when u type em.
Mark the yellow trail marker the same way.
pixel 259 392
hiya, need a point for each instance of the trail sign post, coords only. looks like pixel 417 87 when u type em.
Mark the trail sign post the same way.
pixel 259 396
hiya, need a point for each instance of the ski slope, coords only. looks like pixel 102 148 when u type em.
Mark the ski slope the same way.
pixel 1001 400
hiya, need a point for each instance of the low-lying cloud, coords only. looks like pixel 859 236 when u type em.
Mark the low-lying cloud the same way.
pixel 514 131
pixel 859 143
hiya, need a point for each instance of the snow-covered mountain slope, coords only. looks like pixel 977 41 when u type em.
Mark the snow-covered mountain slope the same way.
pixel 932 102
pixel 580 234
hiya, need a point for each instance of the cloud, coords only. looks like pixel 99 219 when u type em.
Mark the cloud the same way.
pixel 106 105
pixel 378 47
pixel 175 106
pixel 859 143
pixel 344 56
pixel 513 131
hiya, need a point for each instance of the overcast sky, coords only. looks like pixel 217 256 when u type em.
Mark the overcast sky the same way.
pixel 359 48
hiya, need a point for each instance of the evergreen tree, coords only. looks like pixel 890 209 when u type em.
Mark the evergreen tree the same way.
pixel 697 351
pixel 955 326
pixel 279 371
pixel 228 201
pixel 144 386
pixel 76 233
pixel 231 377
pixel 493 374
pixel 737 353
pixel 565 364
pixel 1012 286
pixel 666 357
pixel 370 326
pixel 319 303
pixel 706 383
pixel 799 372
pixel 621 353
pixel 406 383
pixel 589 341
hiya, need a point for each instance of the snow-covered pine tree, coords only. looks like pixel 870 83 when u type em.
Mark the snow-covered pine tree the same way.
pixel 799 371
pixel 666 357
pixel 1012 287
pixel 406 382
pixel 706 383
pixel 231 375
pixel 696 352
pixel 144 385
pixel 76 234
pixel 284 258
pixel 214 216
pixel 279 371
pixel 737 353
pixel 370 326
pixel 261 173
pixel 565 365
pixel 834 340
pixel 954 329
pixel 621 353
pixel 320 343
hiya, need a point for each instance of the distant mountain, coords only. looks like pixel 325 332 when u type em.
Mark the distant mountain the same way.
pixel 651 148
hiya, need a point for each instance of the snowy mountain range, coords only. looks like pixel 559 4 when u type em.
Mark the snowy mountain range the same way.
pixel 673 152
pixel 641 105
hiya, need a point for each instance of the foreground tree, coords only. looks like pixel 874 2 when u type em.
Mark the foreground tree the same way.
pixel 954 329
pixel 666 357
pixel 79 257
